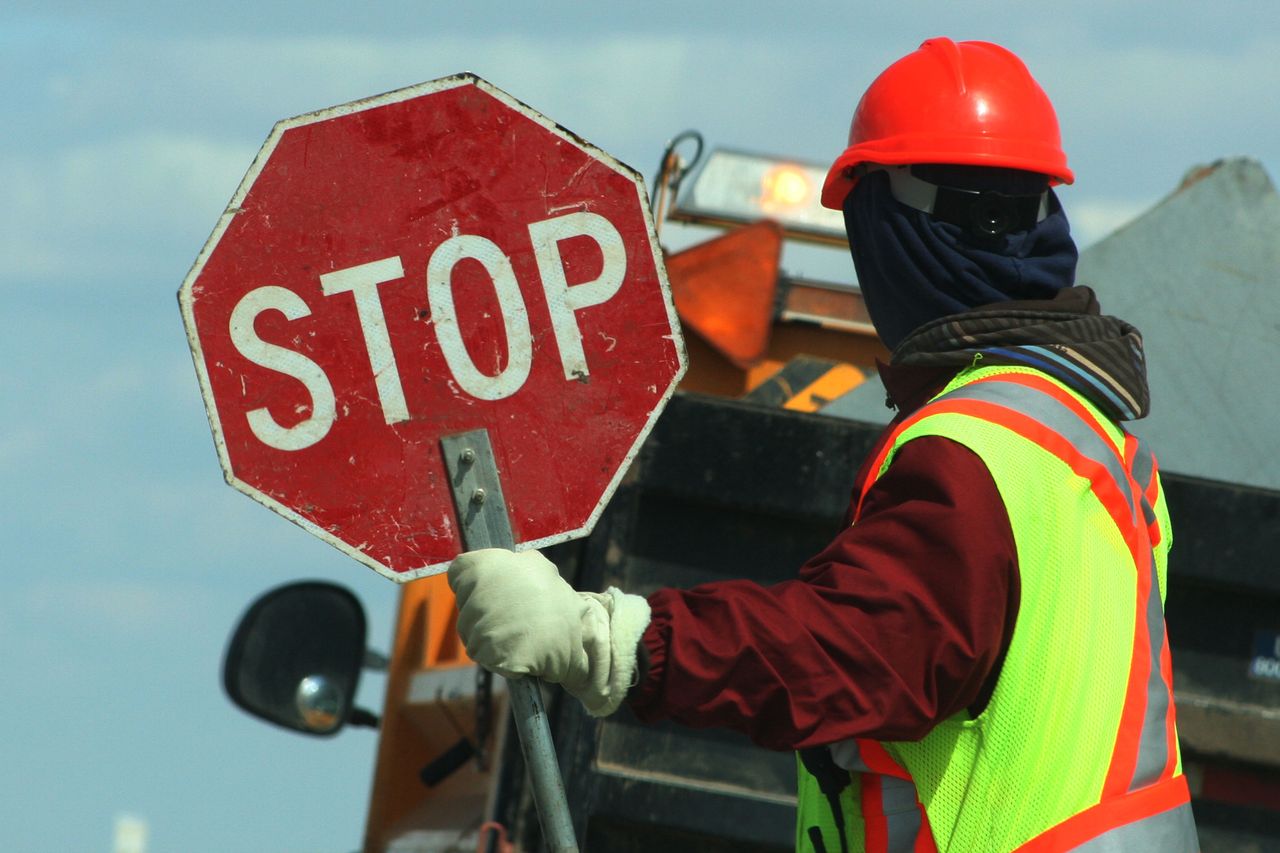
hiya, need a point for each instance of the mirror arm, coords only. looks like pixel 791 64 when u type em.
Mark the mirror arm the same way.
pixel 363 717
pixel 376 661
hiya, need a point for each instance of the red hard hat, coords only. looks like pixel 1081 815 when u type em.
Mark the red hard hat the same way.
pixel 972 104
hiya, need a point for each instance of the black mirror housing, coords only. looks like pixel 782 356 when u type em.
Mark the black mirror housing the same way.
pixel 295 658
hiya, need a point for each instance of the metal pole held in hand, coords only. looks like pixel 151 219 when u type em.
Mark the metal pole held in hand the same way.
pixel 482 513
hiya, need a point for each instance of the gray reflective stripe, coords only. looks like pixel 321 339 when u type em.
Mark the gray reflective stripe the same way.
pixel 848 756
pixel 1148 512
pixel 1144 469
pixel 1042 407
pixel 1144 466
pixel 901 813
pixel 1172 831
pixel 1153 744
pixel 1153 747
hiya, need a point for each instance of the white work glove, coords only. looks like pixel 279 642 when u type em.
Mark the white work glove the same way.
pixel 517 616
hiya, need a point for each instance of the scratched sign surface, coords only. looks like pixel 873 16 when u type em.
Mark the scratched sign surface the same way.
pixel 424 263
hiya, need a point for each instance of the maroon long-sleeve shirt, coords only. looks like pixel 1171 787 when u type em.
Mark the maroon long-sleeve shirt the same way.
pixel 899 623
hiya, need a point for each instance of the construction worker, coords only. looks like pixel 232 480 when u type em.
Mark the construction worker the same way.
pixel 978 661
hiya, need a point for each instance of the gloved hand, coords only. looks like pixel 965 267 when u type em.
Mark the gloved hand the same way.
pixel 517 616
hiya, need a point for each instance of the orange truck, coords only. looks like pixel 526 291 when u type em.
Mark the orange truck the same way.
pixel 755 451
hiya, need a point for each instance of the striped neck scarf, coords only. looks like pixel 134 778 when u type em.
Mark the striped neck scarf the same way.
pixel 1067 338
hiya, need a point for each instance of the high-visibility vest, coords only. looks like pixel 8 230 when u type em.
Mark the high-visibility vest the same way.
pixel 1077 748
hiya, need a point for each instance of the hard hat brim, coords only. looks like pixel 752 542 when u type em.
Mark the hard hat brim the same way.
pixel 959 151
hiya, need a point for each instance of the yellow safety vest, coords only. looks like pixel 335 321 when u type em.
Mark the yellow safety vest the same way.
pixel 1077 748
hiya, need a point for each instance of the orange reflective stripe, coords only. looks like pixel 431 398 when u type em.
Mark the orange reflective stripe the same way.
pixel 924 839
pixel 873 472
pixel 878 760
pixel 1124 757
pixel 1146 749
pixel 1107 815
pixel 875 824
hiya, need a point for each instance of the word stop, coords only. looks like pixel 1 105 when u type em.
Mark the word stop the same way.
pixel 363 281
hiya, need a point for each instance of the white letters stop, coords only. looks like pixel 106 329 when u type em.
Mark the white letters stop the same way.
pixel 363 281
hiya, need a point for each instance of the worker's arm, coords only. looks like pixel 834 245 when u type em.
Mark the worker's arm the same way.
pixel 895 626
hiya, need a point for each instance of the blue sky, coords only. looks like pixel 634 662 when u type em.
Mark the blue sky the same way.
pixel 127 127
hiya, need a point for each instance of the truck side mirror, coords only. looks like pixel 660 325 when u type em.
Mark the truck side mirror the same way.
pixel 295 658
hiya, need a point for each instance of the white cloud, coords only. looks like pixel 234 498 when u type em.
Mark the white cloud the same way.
pixel 1138 116
pixel 91 209
pixel 169 142
pixel 609 77
pixel 176 124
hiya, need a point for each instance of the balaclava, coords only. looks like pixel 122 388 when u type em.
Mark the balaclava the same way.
pixel 913 268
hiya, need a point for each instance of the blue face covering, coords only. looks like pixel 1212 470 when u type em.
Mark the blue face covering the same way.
pixel 913 268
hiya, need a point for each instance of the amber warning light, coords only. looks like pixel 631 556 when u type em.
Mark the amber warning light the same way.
pixel 734 188
pixel 785 188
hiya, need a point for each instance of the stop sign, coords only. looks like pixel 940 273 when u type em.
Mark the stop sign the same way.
pixel 402 269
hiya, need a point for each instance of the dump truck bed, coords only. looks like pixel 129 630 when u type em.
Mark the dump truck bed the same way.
pixel 726 489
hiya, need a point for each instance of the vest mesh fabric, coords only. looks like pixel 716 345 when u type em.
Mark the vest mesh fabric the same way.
pixel 1040 751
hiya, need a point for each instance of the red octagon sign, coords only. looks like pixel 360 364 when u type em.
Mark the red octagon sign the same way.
pixel 420 264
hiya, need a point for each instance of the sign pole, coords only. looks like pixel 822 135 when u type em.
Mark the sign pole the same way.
pixel 482 514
